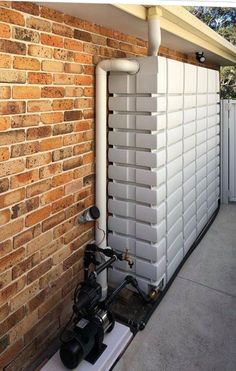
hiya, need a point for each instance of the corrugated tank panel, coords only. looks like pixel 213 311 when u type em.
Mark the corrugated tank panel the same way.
pixel 163 164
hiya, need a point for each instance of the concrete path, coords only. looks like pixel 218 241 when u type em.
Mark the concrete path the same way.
pixel 194 327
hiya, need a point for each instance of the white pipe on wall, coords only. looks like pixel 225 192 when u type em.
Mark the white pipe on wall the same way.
pixel 154 36
pixel 119 65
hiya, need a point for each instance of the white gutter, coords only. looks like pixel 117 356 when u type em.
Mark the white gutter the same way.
pixel 119 65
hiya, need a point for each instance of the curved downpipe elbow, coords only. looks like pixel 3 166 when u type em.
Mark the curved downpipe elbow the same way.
pixel 154 36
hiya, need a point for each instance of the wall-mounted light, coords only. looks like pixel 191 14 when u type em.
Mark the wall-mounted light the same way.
pixel 200 57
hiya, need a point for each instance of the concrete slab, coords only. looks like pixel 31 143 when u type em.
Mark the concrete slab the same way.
pixel 213 261
pixel 194 327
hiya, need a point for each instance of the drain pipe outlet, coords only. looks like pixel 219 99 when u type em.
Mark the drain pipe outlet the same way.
pixel 119 65
pixel 154 30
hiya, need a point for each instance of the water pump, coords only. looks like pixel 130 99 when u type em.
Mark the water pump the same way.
pixel 92 317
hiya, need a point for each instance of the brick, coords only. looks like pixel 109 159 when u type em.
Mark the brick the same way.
pixel 61 255
pixel 5 123
pixel 73 115
pixel 73 45
pixel 60 154
pixel 89 92
pixel 82 103
pixel 5 31
pixel 28 354
pixel 63 228
pixel 25 92
pixel 52 117
pixel 73 139
pixel 73 21
pixel 88 158
pixel 23 179
pixel 37 300
pixel 25 207
pixel 25 34
pixel 26 236
pixel 24 149
pixel 11 352
pixel 38 160
pixel 5 216
pixel 99 40
pixel 48 171
pixel 24 296
pixel 90 48
pixel 50 277
pixel 113 43
pixel 12 107
pixel 4 154
pixel 73 68
pixel 13 47
pixel 89 70
pixel 89 179
pixel 11 290
pixel 89 114
pixel 5 93
pixel 13 76
pixel 5 248
pixel 62 104
pixel 39 270
pixel 62 129
pixel 83 148
pixel 40 51
pixel 10 137
pixel 53 92
pixel 39 78
pixel 13 319
pixel 5 279
pixel 37 188
pixel 55 41
pixel 24 121
pixel 4 185
pixel 63 79
pixel 39 106
pixel 38 24
pixel 10 16
pixel 62 30
pixel 71 260
pixel 82 35
pixel 49 304
pixel 4 311
pixel 84 125
pixel 83 58
pixel 73 187
pixel 41 241
pixel 51 196
pixel 53 221
pixel 72 163
pixel 37 216
pixel 26 7
pixel 62 204
pixel 52 66
pixel 5 61
pixel 73 92
pixel 62 179
pixel 13 197
pixel 83 171
pixel 11 167
pixel 51 143
pixel 52 14
pixel 39 132
pixel 11 229
pixel 61 54
pixel 12 259
pixel 83 80
pixel 24 63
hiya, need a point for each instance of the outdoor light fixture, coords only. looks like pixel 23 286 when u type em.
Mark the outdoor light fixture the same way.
pixel 200 57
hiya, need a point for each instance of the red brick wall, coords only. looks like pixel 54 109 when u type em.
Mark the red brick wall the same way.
pixel 47 64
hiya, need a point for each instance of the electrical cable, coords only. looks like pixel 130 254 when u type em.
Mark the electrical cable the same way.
pixel 102 230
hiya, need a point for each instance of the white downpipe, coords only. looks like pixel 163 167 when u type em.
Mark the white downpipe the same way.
pixel 120 65
pixel 154 35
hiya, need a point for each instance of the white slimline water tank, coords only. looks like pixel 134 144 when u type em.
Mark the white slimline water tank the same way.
pixel 163 164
